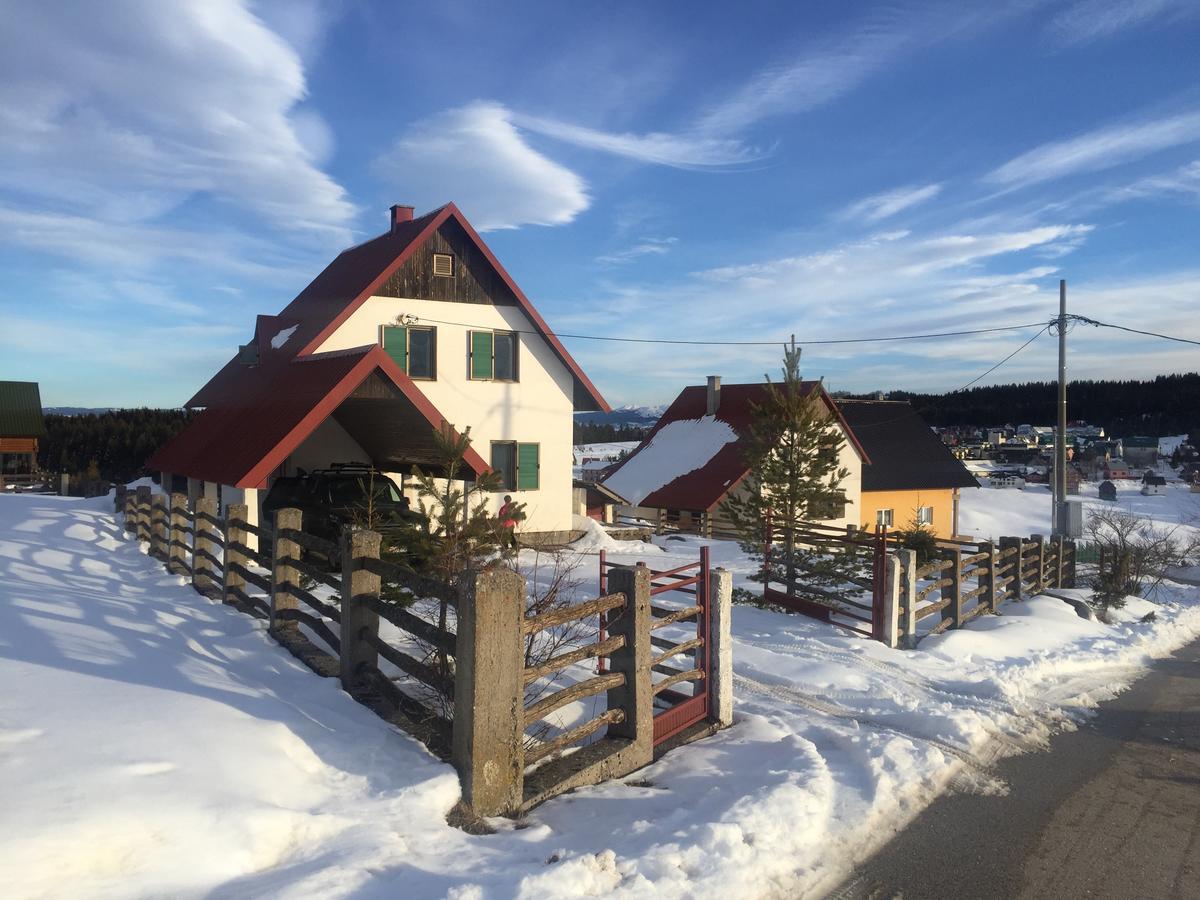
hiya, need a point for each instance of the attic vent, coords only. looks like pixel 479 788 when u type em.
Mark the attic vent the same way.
pixel 443 264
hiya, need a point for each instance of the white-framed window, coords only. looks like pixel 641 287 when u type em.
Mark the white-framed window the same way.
pixel 924 515
pixel 884 517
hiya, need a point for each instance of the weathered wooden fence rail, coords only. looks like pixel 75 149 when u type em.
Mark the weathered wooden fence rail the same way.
pixel 463 691
pixel 992 575
pixel 962 581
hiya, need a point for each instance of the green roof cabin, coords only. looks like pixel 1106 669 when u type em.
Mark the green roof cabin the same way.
pixel 21 426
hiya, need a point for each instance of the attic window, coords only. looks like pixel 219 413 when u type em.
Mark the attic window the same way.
pixel 248 354
pixel 443 265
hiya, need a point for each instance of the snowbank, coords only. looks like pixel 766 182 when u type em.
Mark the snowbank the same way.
pixel 595 539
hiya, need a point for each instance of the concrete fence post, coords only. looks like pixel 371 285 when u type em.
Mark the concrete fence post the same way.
pixel 952 592
pixel 177 535
pixel 283 576
pixel 487 746
pixel 1072 549
pixel 119 493
pixel 64 485
pixel 1039 560
pixel 1012 590
pixel 204 546
pixel 130 511
pixel 142 517
pixel 720 637
pixel 158 526
pixel 891 600
pixel 359 587
pixel 636 695
pixel 233 584
pixel 987 580
pixel 908 596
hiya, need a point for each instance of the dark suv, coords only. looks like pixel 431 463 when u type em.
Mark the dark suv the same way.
pixel 343 495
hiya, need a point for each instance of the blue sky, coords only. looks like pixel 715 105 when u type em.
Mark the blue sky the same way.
pixel 690 171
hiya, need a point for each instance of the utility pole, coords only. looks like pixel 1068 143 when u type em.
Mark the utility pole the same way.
pixel 1060 439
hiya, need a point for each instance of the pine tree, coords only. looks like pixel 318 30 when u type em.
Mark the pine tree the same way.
pixel 793 449
pixel 463 535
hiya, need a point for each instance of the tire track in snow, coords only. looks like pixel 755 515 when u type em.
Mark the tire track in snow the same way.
pixel 977 763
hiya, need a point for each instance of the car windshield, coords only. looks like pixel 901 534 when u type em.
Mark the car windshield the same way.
pixel 352 491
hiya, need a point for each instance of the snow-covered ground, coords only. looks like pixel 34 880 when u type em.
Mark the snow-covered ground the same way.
pixel 154 743
pixel 991 512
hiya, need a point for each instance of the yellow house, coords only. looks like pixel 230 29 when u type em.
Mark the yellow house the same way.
pixel 912 476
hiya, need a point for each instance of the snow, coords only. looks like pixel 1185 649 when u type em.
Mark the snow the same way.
pixel 282 337
pixel 595 539
pixel 1168 445
pixel 155 743
pixel 991 512
pixel 678 448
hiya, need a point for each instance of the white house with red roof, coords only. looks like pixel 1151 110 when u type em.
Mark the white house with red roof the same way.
pixel 413 329
pixel 693 459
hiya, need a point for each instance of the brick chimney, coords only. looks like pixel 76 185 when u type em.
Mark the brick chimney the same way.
pixel 714 394
pixel 400 215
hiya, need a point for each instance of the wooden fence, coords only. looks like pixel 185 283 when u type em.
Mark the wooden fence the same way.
pixel 462 691
pixel 957 586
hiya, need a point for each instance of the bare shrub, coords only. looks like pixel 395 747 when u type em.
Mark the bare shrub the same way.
pixel 1135 554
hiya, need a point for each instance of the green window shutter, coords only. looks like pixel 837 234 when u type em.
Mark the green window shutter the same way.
pixel 481 354
pixel 395 345
pixel 528 467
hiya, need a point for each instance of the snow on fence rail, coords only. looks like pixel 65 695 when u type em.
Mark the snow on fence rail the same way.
pixel 466 700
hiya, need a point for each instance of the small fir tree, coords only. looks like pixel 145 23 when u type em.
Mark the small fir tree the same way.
pixel 793 450
pixel 462 534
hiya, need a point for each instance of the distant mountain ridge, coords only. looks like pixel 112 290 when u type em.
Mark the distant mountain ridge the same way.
pixel 625 416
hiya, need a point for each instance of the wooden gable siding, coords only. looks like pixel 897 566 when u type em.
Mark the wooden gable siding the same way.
pixel 474 279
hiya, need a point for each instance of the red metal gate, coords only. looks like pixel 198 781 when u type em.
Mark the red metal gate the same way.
pixel 680 694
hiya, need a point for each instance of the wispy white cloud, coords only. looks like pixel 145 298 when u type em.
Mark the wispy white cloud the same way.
pixel 888 284
pixel 809 80
pixel 649 246
pixel 881 206
pixel 682 150
pixel 1102 148
pixel 123 112
pixel 1092 20
pixel 476 156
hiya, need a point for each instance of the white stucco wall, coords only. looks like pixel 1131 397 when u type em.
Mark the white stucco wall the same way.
pixel 536 409
pixel 329 443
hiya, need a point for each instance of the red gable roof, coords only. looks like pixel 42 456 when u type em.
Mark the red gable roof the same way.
pixel 703 488
pixel 241 441
pixel 348 281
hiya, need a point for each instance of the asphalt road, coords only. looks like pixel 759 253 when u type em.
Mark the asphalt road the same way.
pixel 1111 811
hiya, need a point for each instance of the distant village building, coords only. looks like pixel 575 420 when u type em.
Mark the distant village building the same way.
pixel 1153 485
pixel 1108 490
pixel 1116 468
pixel 21 427
pixel 1141 451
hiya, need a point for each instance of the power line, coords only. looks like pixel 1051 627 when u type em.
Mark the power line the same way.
pixel 1166 337
pixel 629 340
pixel 1039 333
